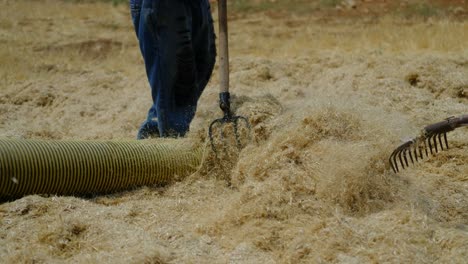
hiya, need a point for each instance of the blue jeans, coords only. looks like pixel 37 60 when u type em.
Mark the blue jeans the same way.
pixel 177 41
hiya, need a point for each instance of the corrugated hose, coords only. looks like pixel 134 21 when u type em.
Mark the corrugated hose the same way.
pixel 71 167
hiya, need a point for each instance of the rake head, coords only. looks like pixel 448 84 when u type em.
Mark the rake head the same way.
pixel 228 119
pixel 432 140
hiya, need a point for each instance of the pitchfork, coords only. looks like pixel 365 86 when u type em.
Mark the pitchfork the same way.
pixel 431 136
pixel 224 95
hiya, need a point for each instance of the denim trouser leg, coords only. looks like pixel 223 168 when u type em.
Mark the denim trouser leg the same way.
pixel 177 43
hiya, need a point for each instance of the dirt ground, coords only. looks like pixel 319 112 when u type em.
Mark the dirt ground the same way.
pixel 330 91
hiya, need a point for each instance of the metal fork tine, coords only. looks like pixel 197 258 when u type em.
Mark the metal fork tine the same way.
pixel 210 134
pixel 247 125
pixel 221 133
pixel 216 127
pixel 236 133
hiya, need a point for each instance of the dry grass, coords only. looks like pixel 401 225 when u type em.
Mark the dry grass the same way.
pixel 296 36
pixel 328 100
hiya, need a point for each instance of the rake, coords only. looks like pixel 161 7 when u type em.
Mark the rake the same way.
pixel 224 96
pixel 433 139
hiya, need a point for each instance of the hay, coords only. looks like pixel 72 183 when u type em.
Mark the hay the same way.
pixel 327 101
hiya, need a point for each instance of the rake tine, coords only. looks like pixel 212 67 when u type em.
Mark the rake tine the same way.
pixel 401 160
pixel 440 142
pixel 446 141
pixel 400 154
pixel 425 148
pixel 393 162
pixel 404 155
pixel 430 144
pixel 395 169
pixel 420 148
pixel 411 156
pixel 434 138
pixel 416 151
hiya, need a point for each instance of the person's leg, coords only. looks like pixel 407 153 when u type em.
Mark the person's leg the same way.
pixel 204 43
pixel 195 57
pixel 149 128
pixel 181 86
pixel 135 8
pixel 171 34
pixel 160 30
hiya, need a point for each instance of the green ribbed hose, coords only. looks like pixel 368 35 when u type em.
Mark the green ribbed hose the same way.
pixel 84 167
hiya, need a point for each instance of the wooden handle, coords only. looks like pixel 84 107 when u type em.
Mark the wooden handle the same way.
pixel 223 47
